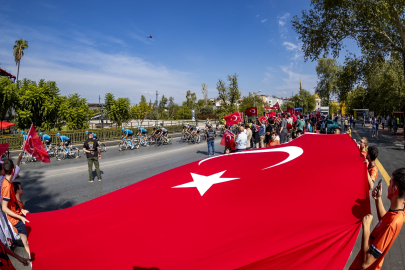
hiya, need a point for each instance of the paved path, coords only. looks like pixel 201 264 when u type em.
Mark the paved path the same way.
pixel 391 156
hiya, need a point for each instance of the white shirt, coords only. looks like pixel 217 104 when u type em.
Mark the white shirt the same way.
pixel 241 140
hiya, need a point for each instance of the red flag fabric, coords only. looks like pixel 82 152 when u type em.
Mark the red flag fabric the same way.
pixel 263 119
pixel 227 140
pixel 5 125
pixel 233 118
pixel 33 146
pixel 216 214
pixel 251 111
pixel 241 116
pixel 276 106
pixel 4 148
pixel 267 108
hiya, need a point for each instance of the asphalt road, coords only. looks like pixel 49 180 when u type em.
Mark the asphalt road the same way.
pixel 62 184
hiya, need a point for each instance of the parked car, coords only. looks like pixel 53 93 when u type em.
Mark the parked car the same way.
pixel 331 126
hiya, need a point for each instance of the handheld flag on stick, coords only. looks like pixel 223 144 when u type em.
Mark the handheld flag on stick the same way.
pixel 233 118
pixel 251 111
pixel 34 146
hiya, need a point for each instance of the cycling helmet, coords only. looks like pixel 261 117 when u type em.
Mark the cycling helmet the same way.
pixel 57 134
pixel 138 127
pixel 40 134
pixel 86 132
pixel 123 129
pixel 160 126
pixel 22 132
pixel 153 125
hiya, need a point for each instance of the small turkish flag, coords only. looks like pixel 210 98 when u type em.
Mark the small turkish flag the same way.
pixel 251 111
pixel 263 119
pixel 267 108
pixel 233 118
pixel 33 146
pixel 4 148
pixel 276 106
pixel 227 140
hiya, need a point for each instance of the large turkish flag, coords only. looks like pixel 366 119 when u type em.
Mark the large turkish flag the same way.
pixel 233 118
pixel 271 208
pixel 33 146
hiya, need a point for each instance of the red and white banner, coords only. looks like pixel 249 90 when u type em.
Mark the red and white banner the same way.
pixel 263 119
pixel 276 106
pixel 271 115
pixel 33 146
pixel 228 140
pixel 217 214
pixel 251 111
pixel 233 118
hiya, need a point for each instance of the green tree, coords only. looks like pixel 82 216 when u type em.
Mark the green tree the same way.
pixel 376 26
pixel 305 100
pixel 74 111
pixel 37 104
pixel 251 101
pixel 287 105
pixel 327 70
pixel 8 97
pixel 228 95
pixel 18 51
pixel 162 107
pixel 205 92
pixel 118 110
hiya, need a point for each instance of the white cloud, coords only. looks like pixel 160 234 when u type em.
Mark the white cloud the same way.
pixel 283 19
pixel 292 82
pixel 77 63
pixel 290 46
pixel 296 48
pixel 257 16
pixel 264 20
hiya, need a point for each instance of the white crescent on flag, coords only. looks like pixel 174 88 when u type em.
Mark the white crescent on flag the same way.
pixel 236 118
pixel 293 151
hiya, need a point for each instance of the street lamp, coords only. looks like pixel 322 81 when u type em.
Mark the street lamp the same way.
pixel 254 100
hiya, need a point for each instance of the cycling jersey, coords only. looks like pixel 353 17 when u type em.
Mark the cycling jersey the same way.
pixel 164 130
pixel 94 135
pixel 64 138
pixel 142 130
pixel 128 132
pixel 25 137
pixel 46 137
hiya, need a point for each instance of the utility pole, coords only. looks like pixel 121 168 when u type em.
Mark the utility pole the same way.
pixel 157 104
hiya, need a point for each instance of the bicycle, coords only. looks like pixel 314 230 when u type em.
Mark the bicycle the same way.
pixel 160 141
pixel 102 146
pixel 51 150
pixel 27 158
pixel 62 153
pixel 142 141
pixel 127 143
pixel 3 157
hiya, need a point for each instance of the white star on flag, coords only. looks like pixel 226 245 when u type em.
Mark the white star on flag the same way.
pixel 203 183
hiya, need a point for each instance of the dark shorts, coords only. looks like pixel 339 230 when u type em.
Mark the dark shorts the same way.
pixel 47 142
pixel 144 133
pixel 20 226
pixel 164 133
pixel 67 142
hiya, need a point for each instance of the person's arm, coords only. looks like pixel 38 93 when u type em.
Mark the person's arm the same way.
pixel 19 159
pixel 11 213
pixel 377 192
pixel 24 261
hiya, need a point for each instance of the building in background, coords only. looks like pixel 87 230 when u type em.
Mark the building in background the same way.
pixel 4 73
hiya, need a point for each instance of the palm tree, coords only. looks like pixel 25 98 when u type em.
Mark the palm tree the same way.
pixel 19 47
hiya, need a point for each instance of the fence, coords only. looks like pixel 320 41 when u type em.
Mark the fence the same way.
pixel 78 136
pixel 134 124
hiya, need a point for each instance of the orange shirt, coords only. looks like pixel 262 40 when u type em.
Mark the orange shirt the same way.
pixel 21 204
pixel 8 194
pixel 271 143
pixel 5 262
pixel 373 172
pixel 364 154
pixel 382 238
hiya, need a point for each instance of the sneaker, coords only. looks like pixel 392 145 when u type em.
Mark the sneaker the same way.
pixel 91 181
pixel 100 180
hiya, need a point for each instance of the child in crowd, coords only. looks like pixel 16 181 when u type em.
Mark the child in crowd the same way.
pixel 363 146
pixel 298 133
pixel 337 131
pixel 227 150
pixel 18 193
pixel 372 155
pixel 274 140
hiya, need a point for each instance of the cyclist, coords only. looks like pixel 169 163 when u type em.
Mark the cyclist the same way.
pixel 142 132
pixel 22 132
pixel 130 134
pixel 64 140
pixel 163 131
pixel 45 138
pixel 94 134
pixel 196 131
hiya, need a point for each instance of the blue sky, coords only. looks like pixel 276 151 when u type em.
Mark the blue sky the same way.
pixel 95 47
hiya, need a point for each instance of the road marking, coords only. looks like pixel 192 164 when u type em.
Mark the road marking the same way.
pixel 380 167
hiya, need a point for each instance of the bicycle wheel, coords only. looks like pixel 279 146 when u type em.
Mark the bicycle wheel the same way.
pixel 158 141
pixel 184 138
pixel 102 147
pixel 169 140
pixel 60 154
pixel 52 152
pixel 122 146
pixel 25 158
pixel 3 157
pixel 74 153
pixel 192 139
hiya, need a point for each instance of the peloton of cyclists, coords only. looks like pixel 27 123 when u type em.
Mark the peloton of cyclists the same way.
pixel 142 132
pixel 45 138
pixel 64 141
pixel 163 131
pixel 129 134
